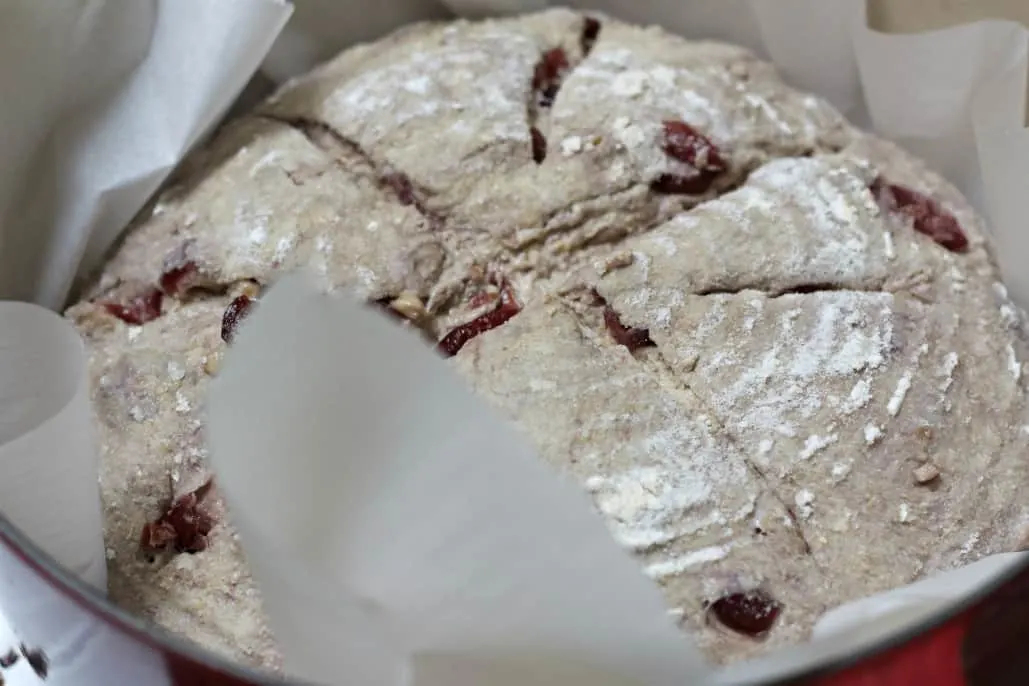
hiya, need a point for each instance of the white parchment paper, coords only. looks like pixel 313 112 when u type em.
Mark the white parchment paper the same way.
pixel 100 99
pixel 394 541
pixel 110 97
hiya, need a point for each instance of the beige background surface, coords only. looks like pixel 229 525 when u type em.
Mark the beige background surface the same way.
pixel 908 16
pixel 912 16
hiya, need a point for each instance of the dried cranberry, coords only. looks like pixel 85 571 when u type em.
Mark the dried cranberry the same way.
pixel 546 77
pixel 235 313
pixel 401 185
pixel 927 216
pixel 8 659
pixel 590 31
pixel 179 279
pixel 684 143
pixel 140 309
pixel 507 307
pixel 631 337
pixel 596 299
pixel 156 535
pixel 539 145
pixel 674 184
pixel 183 526
pixel 751 613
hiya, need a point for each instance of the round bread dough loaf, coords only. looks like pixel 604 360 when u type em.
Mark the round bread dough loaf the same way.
pixel 775 349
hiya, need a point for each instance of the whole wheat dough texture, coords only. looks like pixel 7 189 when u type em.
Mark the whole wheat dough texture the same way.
pixel 824 404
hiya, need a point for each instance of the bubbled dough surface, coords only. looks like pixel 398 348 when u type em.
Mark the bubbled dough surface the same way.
pixel 803 339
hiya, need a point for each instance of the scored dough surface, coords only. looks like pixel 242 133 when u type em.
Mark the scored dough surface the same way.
pixel 811 351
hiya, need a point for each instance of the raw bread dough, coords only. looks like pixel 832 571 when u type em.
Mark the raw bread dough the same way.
pixel 812 351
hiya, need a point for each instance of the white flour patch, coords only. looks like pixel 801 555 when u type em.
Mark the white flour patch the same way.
pixel 628 134
pixel 815 443
pixel 888 245
pixel 903 385
pixel 176 372
pixel 367 277
pixel 663 496
pixel 629 84
pixel 950 363
pixel 571 145
pixel 840 471
pixel 269 159
pixel 640 541
pixel 182 405
pixel 678 565
pixel 958 280
pixel 258 235
pixel 860 396
pixel 762 104
pixel 804 500
pixel 284 247
pixel 1014 366
pixel 969 544
pixel 872 434
pixel 826 205
pixel 1009 315
pixel 774 378
pixel 648 497
pixel 322 244
pixel 425 85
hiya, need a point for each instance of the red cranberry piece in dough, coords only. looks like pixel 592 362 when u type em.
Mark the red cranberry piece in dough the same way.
pixel 179 279
pixel 539 145
pixel 546 77
pixel 687 145
pixel 751 613
pixel 507 307
pixel 182 526
pixel 684 143
pixel 401 185
pixel 235 313
pixel 927 216
pixel 590 31
pixel 156 535
pixel 674 184
pixel 140 309
pixel 631 337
